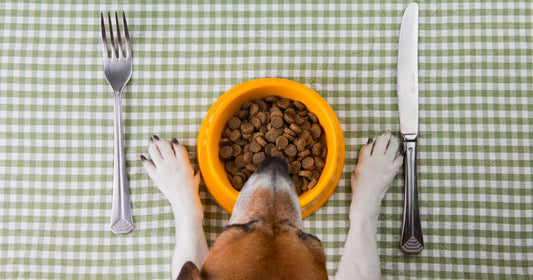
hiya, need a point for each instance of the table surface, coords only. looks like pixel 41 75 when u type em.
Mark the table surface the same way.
pixel 56 126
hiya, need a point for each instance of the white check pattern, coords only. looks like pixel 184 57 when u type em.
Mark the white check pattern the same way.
pixel 475 74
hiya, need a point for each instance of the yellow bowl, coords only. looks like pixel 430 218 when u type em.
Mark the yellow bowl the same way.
pixel 212 168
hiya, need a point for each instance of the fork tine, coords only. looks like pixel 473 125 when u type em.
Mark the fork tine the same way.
pixel 119 39
pixel 113 46
pixel 104 38
pixel 126 35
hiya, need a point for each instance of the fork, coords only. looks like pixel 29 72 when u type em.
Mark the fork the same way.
pixel 118 69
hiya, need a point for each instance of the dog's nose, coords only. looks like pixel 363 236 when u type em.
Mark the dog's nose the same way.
pixel 274 164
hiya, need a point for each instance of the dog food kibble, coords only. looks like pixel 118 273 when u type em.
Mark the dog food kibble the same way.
pixel 277 127
pixel 308 163
pixel 226 152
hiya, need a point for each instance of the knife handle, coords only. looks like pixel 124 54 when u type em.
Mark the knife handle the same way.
pixel 412 241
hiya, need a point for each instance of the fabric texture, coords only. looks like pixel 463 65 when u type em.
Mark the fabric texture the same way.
pixel 56 126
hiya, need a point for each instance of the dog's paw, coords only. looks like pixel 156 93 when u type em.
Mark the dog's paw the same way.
pixel 171 170
pixel 379 162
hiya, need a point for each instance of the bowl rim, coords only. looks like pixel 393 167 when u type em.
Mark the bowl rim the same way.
pixel 210 165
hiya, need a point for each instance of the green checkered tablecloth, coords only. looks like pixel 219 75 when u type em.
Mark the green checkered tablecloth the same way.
pixel 56 126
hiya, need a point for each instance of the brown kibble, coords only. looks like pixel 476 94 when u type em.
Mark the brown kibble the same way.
pixel 239 162
pixel 288 115
pixel 247 128
pixel 246 157
pixel 234 123
pixel 315 174
pixel 263 117
pixel 263 129
pixel 323 153
pixel 255 147
pixel 237 150
pixel 305 181
pixel 283 103
pixel 277 121
pixel 305 125
pixel 243 114
pixel 263 106
pixel 276 153
pixel 246 174
pixel 226 132
pixel 316 149
pixel 294 127
pixel 297 183
pixel 252 167
pixel 312 183
pixel 299 105
pixel 224 142
pixel 308 163
pixel 281 142
pixel 305 134
pixel 271 136
pixel 319 163
pixel 226 152
pixel 310 142
pixel 259 139
pixel 300 144
pixel 234 135
pixel 242 142
pixel 275 111
pixel 290 150
pixel 304 153
pixel 268 149
pixel 288 118
pixel 305 173
pixel 289 137
pixel 246 105
pixel 271 98
pixel 312 117
pixel 230 167
pixel 315 130
pixel 294 167
pixel 302 114
pixel 256 122
pixel 289 131
pixel 299 120
pixel 258 158
pixel 254 108
pixel 237 182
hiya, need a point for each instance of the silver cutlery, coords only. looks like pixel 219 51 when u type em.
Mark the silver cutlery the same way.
pixel 412 241
pixel 118 69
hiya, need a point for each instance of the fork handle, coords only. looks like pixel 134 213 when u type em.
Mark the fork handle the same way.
pixel 121 217
pixel 412 241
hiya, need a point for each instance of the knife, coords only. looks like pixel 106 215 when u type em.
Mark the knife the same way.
pixel 411 241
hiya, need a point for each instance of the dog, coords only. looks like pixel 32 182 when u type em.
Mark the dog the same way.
pixel 264 238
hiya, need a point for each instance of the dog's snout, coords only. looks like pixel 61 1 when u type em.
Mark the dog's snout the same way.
pixel 269 194
pixel 274 164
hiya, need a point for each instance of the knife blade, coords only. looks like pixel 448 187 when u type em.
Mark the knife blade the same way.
pixel 412 241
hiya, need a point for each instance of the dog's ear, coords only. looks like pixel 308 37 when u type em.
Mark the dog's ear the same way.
pixel 189 271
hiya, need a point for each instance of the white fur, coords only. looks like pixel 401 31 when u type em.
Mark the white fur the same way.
pixel 255 182
pixel 372 177
pixel 172 173
pixel 379 162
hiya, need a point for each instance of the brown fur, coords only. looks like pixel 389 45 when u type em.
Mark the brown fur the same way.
pixel 265 251
pixel 269 245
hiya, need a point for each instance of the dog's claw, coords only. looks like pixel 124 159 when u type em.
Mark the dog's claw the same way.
pixel 370 140
pixel 143 158
pixel 156 137
pixel 175 141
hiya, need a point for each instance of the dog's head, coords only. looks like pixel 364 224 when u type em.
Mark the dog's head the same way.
pixel 264 238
